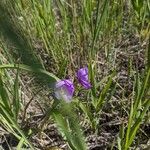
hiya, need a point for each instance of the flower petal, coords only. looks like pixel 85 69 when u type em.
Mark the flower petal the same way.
pixel 64 89
pixel 82 76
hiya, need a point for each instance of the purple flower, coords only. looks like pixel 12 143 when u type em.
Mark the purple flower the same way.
pixel 82 76
pixel 64 90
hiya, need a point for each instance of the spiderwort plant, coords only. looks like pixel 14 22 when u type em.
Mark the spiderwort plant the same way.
pixel 65 117
pixel 82 76
pixel 64 90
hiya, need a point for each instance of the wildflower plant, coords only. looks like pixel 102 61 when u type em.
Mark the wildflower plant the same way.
pixel 64 115
pixel 64 89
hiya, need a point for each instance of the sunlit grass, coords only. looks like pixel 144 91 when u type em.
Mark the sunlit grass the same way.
pixel 52 39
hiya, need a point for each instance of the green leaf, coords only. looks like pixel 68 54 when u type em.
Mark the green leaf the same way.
pixel 102 96
pixel 11 123
pixel 68 124
pixel 16 102
pixel 4 96
pixel 49 76
pixel 88 113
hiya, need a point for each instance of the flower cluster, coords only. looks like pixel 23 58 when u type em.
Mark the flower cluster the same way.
pixel 64 89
